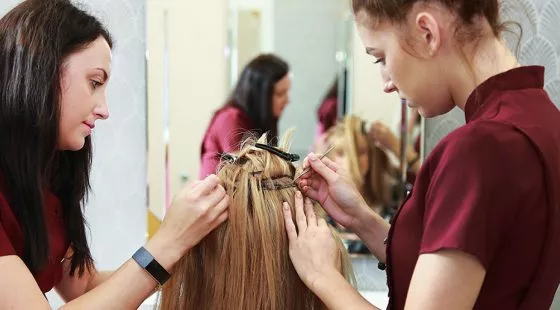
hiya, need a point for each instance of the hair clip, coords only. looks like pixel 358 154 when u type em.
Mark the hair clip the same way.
pixel 228 157
pixel 286 156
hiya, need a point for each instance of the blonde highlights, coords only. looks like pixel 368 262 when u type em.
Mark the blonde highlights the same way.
pixel 348 139
pixel 244 263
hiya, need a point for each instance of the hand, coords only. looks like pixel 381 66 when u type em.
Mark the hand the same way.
pixel 313 250
pixel 330 185
pixel 384 137
pixel 197 210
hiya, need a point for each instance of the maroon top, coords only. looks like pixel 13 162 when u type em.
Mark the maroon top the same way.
pixel 327 114
pixel 491 189
pixel 224 134
pixel 11 238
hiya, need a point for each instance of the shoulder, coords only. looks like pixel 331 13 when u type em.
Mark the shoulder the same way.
pixel 484 149
pixel 231 114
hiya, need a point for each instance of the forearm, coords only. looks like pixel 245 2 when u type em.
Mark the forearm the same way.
pixel 127 287
pixel 336 293
pixel 99 278
pixel 372 230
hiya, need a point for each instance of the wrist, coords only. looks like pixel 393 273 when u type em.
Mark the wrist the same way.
pixel 164 250
pixel 322 282
pixel 364 220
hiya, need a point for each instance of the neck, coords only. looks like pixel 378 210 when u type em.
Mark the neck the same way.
pixel 490 57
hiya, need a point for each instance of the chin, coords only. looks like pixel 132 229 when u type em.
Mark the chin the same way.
pixel 72 145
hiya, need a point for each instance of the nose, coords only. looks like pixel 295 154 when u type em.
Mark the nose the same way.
pixel 389 87
pixel 102 110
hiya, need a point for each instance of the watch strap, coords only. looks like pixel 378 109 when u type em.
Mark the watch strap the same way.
pixel 151 265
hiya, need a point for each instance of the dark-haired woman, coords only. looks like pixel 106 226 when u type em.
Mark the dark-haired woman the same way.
pixel 481 228
pixel 255 105
pixel 55 62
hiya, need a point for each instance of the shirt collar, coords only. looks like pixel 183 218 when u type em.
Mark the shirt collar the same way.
pixel 514 79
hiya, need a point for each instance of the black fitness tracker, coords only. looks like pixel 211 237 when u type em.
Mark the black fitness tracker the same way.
pixel 151 265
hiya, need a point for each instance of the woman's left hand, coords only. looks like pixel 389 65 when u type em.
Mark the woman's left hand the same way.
pixel 313 250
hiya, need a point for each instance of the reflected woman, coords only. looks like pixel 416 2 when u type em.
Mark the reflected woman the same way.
pixel 255 105
pixel 367 164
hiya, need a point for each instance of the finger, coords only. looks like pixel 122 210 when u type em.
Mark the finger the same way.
pixel 221 207
pixel 322 223
pixel 301 221
pixel 311 193
pixel 330 164
pixel 195 183
pixel 311 218
pixel 220 219
pixel 207 185
pixel 290 227
pixel 305 162
pixel 216 195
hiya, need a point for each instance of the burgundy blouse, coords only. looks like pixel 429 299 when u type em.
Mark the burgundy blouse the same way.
pixel 11 238
pixel 490 189
pixel 224 134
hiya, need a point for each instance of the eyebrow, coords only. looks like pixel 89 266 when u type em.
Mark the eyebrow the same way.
pixel 370 50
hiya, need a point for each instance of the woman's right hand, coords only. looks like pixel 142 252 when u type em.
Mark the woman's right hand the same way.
pixel 330 185
pixel 196 211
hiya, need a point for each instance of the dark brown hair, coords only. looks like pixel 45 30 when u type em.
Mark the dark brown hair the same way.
pixel 254 92
pixel 36 37
pixel 396 11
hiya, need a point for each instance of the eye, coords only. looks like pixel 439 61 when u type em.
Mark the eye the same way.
pixel 95 84
pixel 380 60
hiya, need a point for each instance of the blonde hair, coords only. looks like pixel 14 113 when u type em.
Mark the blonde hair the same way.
pixel 244 263
pixel 347 137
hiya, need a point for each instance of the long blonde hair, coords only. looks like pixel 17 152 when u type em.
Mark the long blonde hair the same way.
pixel 347 137
pixel 244 263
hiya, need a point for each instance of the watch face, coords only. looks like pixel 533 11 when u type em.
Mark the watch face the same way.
pixel 151 265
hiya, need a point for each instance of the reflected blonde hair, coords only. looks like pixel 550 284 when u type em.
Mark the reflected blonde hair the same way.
pixel 348 137
pixel 244 263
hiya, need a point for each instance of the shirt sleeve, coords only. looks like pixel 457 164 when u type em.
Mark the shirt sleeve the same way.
pixel 227 132
pixel 6 247
pixel 477 189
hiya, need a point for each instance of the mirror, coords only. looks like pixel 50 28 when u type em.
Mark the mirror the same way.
pixel 194 64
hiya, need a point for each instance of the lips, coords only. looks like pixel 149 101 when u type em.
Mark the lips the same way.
pixel 90 125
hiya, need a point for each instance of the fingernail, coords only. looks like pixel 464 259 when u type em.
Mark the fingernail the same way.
pixel 285 205
pixel 298 194
pixel 312 156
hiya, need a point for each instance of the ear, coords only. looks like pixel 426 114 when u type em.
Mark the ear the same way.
pixel 430 33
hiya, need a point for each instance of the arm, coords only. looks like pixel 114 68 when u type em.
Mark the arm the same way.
pixel 126 289
pixel 337 294
pixel 73 286
pixel 129 286
pixel 372 230
pixel 448 279
pixel 197 210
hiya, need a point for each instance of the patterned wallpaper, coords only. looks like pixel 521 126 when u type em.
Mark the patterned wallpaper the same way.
pixel 539 44
pixel 116 211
